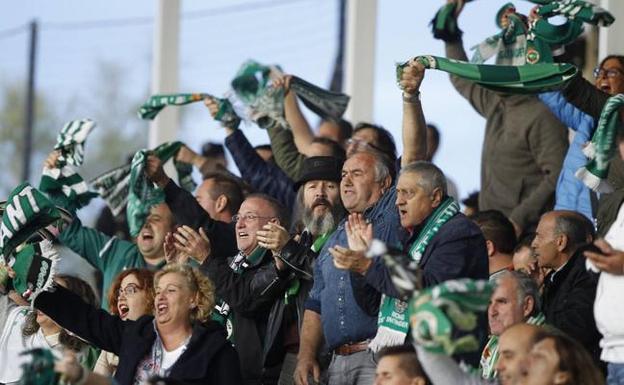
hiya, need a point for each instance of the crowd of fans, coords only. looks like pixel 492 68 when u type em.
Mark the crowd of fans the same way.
pixel 277 276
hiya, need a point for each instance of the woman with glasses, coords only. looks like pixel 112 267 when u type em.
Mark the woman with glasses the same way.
pixel 178 343
pixel 579 106
pixel 25 328
pixel 130 296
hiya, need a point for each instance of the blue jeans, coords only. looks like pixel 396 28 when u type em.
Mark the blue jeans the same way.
pixel 616 374
pixel 354 369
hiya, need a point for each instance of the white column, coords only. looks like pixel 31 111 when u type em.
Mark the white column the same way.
pixel 165 69
pixel 611 38
pixel 360 58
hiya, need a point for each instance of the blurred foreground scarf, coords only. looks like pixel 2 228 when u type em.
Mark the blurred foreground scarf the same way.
pixel 440 312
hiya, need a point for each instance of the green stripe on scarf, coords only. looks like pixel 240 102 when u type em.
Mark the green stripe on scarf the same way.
pixel 508 79
pixel 489 357
pixel 437 313
pixel 26 211
pixel 151 108
pixel 38 368
pixel 142 193
pixel 602 147
pixel 252 84
pixel 63 185
pixel 575 9
pixel 393 318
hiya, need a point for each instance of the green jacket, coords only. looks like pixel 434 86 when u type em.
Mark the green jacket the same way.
pixel 285 152
pixel 109 255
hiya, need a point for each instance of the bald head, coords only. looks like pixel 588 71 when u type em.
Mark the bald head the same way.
pixel 513 348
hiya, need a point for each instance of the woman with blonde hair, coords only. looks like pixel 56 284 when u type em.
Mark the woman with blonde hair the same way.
pixel 179 342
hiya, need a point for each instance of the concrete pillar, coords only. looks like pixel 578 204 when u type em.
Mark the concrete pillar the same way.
pixel 360 59
pixel 165 69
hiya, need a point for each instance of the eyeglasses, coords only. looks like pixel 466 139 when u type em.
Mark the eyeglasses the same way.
pixel 130 290
pixel 249 217
pixel 608 73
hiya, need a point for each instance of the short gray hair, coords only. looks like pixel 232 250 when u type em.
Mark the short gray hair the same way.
pixel 431 177
pixel 527 287
pixel 382 163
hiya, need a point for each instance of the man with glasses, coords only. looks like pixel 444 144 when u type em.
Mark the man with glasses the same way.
pixel 246 279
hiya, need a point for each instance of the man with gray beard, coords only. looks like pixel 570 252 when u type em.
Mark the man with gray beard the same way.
pixel 319 195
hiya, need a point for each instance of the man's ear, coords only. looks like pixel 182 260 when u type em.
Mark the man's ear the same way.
pixel 386 183
pixel 221 203
pixel 562 242
pixel 527 306
pixel 491 249
pixel 561 378
pixel 436 197
pixel 275 220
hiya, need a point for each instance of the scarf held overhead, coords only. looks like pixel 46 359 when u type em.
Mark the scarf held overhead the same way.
pixel 507 79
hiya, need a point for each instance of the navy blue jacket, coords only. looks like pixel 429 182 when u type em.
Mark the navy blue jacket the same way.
pixel 457 250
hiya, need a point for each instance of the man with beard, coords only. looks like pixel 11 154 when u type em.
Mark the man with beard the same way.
pixel 319 195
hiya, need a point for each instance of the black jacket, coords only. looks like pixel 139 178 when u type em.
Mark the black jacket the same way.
pixel 568 302
pixel 208 359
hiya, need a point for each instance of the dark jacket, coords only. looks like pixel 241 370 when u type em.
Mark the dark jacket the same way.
pixel 457 250
pixel 523 149
pixel 568 302
pixel 208 359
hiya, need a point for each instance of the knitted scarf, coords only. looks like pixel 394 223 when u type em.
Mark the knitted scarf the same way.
pixel 40 369
pixel 523 40
pixel 508 79
pixel 602 147
pixel 63 185
pixel 113 186
pixel 156 103
pixel 241 262
pixel 437 314
pixel 252 85
pixel 142 192
pixel 489 357
pixel 26 213
pixel 393 319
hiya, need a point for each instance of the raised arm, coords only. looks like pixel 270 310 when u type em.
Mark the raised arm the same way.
pixel 414 126
pixel 299 126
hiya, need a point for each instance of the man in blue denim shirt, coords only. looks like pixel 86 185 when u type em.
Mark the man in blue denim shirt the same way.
pixel 332 309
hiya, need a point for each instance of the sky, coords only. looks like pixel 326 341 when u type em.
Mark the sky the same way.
pixel 217 36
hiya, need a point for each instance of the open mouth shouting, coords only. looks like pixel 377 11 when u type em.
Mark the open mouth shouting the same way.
pixel 123 310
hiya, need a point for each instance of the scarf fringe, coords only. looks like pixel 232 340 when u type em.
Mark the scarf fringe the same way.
pixel 386 337
pixel 593 182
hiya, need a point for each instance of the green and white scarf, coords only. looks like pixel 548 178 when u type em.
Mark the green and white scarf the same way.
pixel 113 186
pixel 63 185
pixel 39 370
pixel 392 321
pixel 507 79
pixel 27 213
pixel 602 147
pixel 151 108
pixel 489 357
pixel 253 86
pixel 575 9
pixel 444 23
pixel 142 194
pixel 438 313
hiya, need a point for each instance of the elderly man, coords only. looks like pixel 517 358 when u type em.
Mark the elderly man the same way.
pixel 333 310
pixel 569 289
pixel 245 278
pixel 514 347
pixel 515 300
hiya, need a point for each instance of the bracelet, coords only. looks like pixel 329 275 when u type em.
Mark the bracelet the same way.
pixel 412 98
